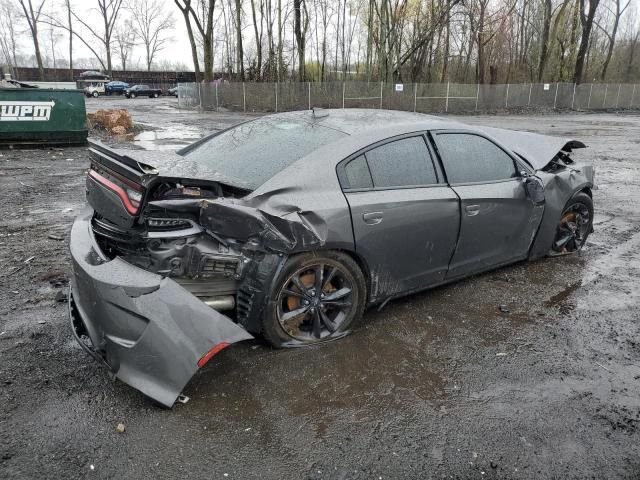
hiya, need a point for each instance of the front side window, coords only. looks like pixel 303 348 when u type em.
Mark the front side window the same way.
pixel 469 158
pixel 401 163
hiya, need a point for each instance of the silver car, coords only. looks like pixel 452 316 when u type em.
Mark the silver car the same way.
pixel 291 225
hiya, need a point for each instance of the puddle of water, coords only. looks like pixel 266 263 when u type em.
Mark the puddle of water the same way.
pixel 167 138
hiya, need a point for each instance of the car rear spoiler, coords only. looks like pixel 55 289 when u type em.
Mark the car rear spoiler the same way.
pixel 538 150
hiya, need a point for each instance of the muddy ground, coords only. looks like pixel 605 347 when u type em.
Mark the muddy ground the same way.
pixel 438 385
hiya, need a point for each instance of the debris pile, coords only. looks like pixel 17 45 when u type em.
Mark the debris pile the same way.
pixel 114 121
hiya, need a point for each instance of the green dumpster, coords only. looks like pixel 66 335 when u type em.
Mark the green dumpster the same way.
pixel 45 116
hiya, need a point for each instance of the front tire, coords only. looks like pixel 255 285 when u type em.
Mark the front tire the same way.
pixel 133 95
pixel 316 297
pixel 575 225
pixel 95 94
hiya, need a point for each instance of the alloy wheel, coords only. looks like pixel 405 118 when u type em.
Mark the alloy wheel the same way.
pixel 315 301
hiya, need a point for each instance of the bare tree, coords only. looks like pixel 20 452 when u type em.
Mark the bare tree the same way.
pixel 8 33
pixel 125 40
pixel 32 16
pixel 617 13
pixel 152 23
pixel 586 20
pixel 67 4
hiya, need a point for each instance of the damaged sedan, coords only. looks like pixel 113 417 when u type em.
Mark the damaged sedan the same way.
pixel 290 225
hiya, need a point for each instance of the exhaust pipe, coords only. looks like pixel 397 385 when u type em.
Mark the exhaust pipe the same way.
pixel 225 302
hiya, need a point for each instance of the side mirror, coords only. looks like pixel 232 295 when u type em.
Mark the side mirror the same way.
pixel 534 188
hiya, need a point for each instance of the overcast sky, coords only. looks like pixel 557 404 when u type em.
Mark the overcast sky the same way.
pixel 175 50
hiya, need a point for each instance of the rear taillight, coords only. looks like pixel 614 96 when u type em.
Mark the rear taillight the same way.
pixel 129 192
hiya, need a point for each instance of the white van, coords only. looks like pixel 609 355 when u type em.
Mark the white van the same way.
pixel 94 88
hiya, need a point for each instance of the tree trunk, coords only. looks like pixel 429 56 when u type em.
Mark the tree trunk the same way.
pixel 68 3
pixel 544 50
pixel 258 40
pixel 587 25
pixel 297 10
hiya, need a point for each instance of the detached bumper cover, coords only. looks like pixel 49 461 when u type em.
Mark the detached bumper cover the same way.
pixel 147 329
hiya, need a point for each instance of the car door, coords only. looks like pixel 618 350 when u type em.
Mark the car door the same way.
pixel 498 219
pixel 405 218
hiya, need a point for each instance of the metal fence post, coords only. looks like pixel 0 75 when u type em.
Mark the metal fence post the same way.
pixel 415 96
pixel 276 97
pixel 604 100
pixel 555 98
pixel 244 98
pixel 573 97
pixel 530 88
pixel 506 98
pixel 589 101
pixel 381 87
pixel 216 97
pixel 343 85
pixel 618 96
pixel 477 96
pixel 446 103
pixel 309 85
pixel 633 94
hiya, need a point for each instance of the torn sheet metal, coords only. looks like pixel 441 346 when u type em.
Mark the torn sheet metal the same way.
pixel 151 332
pixel 281 231
pixel 537 149
pixel 559 187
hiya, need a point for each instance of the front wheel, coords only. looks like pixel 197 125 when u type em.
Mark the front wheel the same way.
pixel 133 95
pixel 316 297
pixel 575 225
pixel 95 94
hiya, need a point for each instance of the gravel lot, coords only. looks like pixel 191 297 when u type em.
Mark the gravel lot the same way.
pixel 437 385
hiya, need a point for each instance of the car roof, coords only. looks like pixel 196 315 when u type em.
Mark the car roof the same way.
pixel 361 121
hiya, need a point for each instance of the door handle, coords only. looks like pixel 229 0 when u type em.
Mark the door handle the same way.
pixel 372 218
pixel 472 210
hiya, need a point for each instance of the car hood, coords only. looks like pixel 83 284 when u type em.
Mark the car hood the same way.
pixel 537 149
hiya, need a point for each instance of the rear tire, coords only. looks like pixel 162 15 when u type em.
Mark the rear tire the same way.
pixel 303 311
pixel 575 225
pixel 156 95
pixel 95 94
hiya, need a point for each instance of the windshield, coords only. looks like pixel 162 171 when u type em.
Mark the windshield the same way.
pixel 253 152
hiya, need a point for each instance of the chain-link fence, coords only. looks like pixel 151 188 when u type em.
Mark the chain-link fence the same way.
pixel 415 97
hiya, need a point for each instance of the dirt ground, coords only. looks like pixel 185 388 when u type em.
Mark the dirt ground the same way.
pixel 441 384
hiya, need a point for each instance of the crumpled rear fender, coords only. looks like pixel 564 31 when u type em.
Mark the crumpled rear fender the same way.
pixel 152 333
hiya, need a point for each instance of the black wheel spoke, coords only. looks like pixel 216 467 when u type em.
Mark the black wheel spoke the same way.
pixel 327 322
pixel 299 285
pixel 317 327
pixel 338 294
pixel 293 293
pixel 318 272
pixel 329 277
pixel 287 316
pixel 337 303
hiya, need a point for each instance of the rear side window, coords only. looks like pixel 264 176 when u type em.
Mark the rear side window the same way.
pixel 402 163
pixel 357 173
pixel 470 158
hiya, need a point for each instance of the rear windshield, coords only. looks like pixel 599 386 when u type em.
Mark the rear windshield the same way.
pixel 251 153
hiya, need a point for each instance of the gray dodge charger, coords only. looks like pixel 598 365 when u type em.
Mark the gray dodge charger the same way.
pixel 290 225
